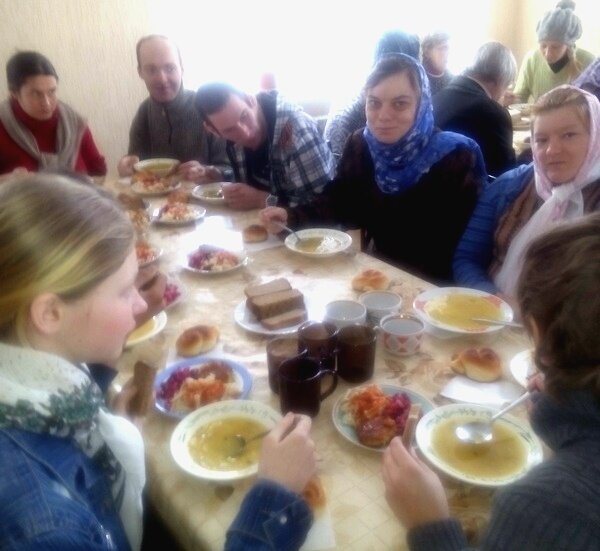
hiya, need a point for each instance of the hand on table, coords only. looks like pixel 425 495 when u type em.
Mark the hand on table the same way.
pixel 151 284
pixel 272 218
pixel 413 491
pixel 125 166
pixel 193 171
pixel 243 197
pixel 289 460
pixel 120 402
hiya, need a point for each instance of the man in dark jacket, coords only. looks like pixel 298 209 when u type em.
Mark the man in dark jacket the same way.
pixel 470 105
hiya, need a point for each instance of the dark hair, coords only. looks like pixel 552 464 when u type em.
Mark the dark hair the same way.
pixel 149 37
pixel 211 98
pixel 392 65
pixel 559 289
pixel 23 65
pixel 397 42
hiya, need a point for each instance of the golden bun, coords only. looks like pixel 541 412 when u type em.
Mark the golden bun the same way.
pixel 479 364
pixel 197 340
pixel 370 280
pixel 254 233
pixel 314 493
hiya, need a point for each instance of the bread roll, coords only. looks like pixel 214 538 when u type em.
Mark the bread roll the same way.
pixel 479 364
pixel 254 233
pixel 370 280
pixel 314 494
pixel 197 340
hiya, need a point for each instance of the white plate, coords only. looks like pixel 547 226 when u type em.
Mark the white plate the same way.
pixel 522 367
pixel 191 423
pixel 246 319
pixel 151 328
pixel 348 431
pixel 421 301
pixel 464 413
pixel 338 241
pixel 243 259
pixel 197 213
pixel 199 192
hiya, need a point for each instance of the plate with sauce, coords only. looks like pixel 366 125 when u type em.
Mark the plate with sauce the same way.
pixel 318 242
pixel 513 451
pixel 452 309
pixel 147 330
pixel 200 443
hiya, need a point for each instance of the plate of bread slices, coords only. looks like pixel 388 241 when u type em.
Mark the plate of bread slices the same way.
pixel 372 414
pixel 272 308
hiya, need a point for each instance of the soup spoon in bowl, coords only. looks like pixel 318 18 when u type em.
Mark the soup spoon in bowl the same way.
pixel 237 443
pixel 480 432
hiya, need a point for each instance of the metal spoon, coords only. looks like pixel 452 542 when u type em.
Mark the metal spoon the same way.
pixel 479 432
pixel 298 238
pixel 237 443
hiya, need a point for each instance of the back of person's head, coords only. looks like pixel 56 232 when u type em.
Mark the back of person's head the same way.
pixel 563 96
pixel 493 63
pixel 397 42
pixel 560 24
pixel 394 64
pixel 151 37
pixel 24 65
pixel 211 98
pixel 56 236
pixel 559 289
pixel 434 40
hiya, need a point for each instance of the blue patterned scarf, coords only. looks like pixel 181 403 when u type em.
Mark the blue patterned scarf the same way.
pixel 400 165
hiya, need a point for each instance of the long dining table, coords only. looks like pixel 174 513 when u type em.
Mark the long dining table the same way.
pixel 357 516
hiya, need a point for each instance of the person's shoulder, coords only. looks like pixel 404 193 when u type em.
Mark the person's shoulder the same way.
pixel 583 56
pixel 34 506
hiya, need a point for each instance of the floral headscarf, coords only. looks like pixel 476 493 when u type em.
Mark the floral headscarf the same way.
pixel 401 165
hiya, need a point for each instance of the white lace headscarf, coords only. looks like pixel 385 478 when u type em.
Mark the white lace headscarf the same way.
pixel 561 202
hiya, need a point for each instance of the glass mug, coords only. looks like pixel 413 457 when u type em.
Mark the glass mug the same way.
pixel 300 385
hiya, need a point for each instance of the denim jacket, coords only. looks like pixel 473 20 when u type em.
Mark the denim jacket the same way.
pixel 53 497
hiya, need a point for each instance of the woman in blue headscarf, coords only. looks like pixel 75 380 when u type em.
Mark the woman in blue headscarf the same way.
pixel 410 187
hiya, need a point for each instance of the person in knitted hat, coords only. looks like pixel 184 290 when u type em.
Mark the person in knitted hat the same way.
pixel 557 60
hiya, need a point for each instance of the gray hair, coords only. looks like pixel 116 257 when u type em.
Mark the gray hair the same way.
pixel 493 62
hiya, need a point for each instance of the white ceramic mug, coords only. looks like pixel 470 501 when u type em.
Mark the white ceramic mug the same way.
pixel 401 334
pixel 380 304
pixel 345 312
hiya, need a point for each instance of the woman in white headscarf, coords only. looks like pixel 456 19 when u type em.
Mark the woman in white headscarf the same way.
pixel 562 183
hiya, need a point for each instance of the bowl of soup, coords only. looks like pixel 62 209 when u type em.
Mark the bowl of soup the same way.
pixel 513 450
pixel 203 443
pixel 158 167
pixel 457 310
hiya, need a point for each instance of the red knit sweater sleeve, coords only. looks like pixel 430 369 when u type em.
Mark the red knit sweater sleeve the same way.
pixel 90 160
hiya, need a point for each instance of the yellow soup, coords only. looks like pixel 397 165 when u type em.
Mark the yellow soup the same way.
pixel 317 244
pixel 142 330
pixel 504 456
pixel 213 445
pixel 458 309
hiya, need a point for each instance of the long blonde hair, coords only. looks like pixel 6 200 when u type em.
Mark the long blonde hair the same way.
pixel 57 236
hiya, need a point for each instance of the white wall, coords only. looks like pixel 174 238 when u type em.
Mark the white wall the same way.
pixel 92 43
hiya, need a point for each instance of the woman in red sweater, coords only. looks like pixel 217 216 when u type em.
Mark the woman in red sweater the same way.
pixel 37 131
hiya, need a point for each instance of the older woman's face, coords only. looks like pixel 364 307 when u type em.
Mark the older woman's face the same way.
pixel 560 144
pixel 37 96
pixel 391 108
pixel 553 50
